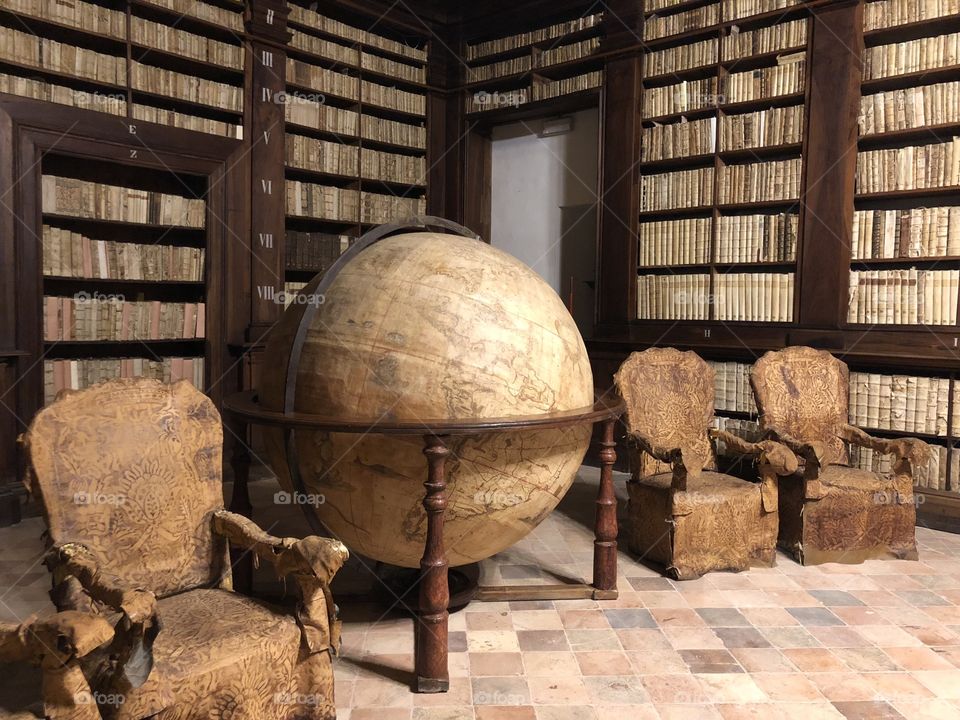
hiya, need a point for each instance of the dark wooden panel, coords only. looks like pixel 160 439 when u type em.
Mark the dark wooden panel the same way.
pixel 830 164
pixel 619 197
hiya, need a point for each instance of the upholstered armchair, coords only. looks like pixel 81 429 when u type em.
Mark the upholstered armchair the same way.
pixel 683 514
pixel 128 475
pixel 831 512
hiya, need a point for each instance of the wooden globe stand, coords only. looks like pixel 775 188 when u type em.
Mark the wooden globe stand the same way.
pixel 430 639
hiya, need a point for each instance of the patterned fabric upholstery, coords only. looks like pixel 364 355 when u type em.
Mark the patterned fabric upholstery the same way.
pixel 129 477
pixel 131 469
pixel 832 513
pixel 718 522
pixel 804 393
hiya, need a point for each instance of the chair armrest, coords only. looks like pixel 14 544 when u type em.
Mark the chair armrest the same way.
pixel 312 562
pixel 910 449
pixel 55 640
pixel 132 648
pixel 777 455
pixel 686 463
pixel 813 453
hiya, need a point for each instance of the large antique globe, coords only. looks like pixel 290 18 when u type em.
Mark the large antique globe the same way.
pixel 428 326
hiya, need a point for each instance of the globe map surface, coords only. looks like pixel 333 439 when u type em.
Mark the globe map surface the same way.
pixel 425 326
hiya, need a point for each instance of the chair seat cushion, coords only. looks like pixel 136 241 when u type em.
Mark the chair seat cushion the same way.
pixel 719 523
pixel 849 478
pixel 219 654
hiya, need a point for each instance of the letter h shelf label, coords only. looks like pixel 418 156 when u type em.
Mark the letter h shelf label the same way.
pixel 266 25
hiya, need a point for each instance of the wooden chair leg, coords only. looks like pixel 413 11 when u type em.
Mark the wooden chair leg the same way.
pixel 605 525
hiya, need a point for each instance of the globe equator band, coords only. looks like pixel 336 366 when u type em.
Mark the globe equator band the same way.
pixel 324 281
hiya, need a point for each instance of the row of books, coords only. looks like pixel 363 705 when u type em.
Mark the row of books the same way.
pixel 231 19
pixel 675 242
pixel 114 104
pixel 682 57
pixel 930 474
pixel 913 167
pixel 890 13
pixel 172 118
pixel 82 15
pixel 740 239
pixel 783 79
pixel 911 56
pixel 391 97
pixel 314 250
pixel 70 254
pixel 322 201
pixel 512 42
pixel 739 9
pixel 776 126
pixel 912 107
pixel 754 297
pixel 752 182
pixel 566 86
pixel 322 156
pixel 681 97
pixel 757 238
pixel 391 167
pixel 735 297
pixel 731 386
pixel 503 68
pixel 384 66
pixel 748 430
pixel 903 297
pixel 905 403
pixel 376 208
pixel 657 26
pixel 178 42
pixel 677 140
pixel 312 19
pixel 764 40
pixel 682 189
pixel 338 121
pixel 911 233
pixel 352 87
pixel 566 53
pixel 79 374
pixel 81 198
pixel 186 87
pixel 113 318
pixel 37 52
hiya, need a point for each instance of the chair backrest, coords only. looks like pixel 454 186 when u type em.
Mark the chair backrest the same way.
pixel 132 470
pixel 804 393
pixel 669 396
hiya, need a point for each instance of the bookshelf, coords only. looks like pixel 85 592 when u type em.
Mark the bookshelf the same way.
pixel 721 139
pixel 356 137
pixel 530 70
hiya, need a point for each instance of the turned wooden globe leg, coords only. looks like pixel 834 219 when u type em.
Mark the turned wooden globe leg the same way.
pixel 430 638
pixel 605 526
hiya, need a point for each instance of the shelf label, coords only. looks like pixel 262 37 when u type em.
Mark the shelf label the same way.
pixel 267 186
pixel 270 13
pixel 266 292
pixel 266 240
pixel 266 58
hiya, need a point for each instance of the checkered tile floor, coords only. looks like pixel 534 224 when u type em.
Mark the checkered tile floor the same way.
pixel 879 640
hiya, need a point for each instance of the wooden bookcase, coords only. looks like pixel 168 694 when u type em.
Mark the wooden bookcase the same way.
pixel 221 136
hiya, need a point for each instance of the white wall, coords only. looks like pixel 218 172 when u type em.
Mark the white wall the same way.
pixel 533 178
